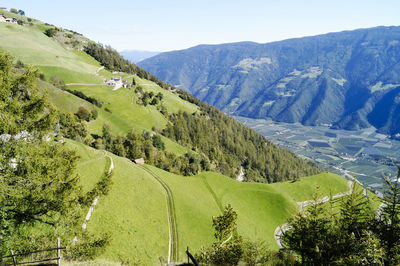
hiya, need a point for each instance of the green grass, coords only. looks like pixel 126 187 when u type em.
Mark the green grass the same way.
pixel 92 164
pixel 106 74
pixel 31 46
pixel 134 211
pixel 304 188
pixel 194 206
pixel 70 76
pixel 127 115
pixel 64 101
pixel 172 101
pixel 120 103
pixel 261 207
pixel 174 147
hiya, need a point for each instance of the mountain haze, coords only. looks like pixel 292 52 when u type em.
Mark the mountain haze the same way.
pixel 136 56
pixel 348 79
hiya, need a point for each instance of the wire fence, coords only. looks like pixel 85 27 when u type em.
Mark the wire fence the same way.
pixel 13 258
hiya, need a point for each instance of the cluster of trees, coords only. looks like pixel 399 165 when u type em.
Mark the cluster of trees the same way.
pixel 352 236
pixel 152 149
pixel 112 60
pixel 74 127
pixel 146 98
pixel 229 248
pixel 19 11
pixel 230 145
pixel 39 187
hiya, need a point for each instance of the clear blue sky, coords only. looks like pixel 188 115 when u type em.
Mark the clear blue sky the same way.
pixel 162 25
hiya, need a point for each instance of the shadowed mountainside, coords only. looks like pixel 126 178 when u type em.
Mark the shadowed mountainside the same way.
pixel 348 79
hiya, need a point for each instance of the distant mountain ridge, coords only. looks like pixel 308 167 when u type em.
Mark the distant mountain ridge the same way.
pixel 135 56
pixel 349 79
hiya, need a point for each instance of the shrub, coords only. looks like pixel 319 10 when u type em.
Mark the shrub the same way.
pixel 50 32
pixel 94 114
pixel 158 143
pixel 83 113
pixel 57 82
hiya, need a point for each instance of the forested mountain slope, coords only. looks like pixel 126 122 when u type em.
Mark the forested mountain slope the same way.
pixel 348 79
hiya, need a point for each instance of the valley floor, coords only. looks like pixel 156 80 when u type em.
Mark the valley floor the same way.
pixel 365 153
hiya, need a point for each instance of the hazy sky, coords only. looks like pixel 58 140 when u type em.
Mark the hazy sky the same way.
pixel 162 25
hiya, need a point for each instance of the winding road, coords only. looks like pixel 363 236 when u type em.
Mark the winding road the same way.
pixel 173 231
pixel 302 204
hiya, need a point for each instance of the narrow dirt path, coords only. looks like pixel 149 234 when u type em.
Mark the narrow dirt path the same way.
pixel 96 199
pixel 302 204
pixel 173 231
pixel 98 70
pixel 82 84
pixel 240 177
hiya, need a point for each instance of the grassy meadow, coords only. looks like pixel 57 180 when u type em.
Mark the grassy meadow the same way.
pixel 134 211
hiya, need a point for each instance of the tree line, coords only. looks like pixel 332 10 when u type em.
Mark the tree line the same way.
pixel 230 145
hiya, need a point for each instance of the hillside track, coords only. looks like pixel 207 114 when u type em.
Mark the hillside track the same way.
pixel 173 230
pixel 96 199
pixel 285 227
pixel 216 199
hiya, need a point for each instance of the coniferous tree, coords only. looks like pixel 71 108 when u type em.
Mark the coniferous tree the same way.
pixel 227 249
pixel 388 226
pixel 38 182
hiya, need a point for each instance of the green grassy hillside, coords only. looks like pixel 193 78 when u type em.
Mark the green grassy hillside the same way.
pixel 32 46
pixel 135 209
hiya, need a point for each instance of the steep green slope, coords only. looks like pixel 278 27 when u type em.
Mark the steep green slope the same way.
pixel 31 46
pixel 134 211
pixel 261 207
pixel 135 208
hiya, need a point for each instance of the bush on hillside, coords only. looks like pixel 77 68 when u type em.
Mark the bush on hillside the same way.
pixel 50 32
pixel 83 113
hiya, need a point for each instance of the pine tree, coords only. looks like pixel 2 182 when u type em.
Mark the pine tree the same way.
pixel 38 184
pixel 388 226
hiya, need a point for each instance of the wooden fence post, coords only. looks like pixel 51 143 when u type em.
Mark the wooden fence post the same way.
pixel 14 260
pixel 58 252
